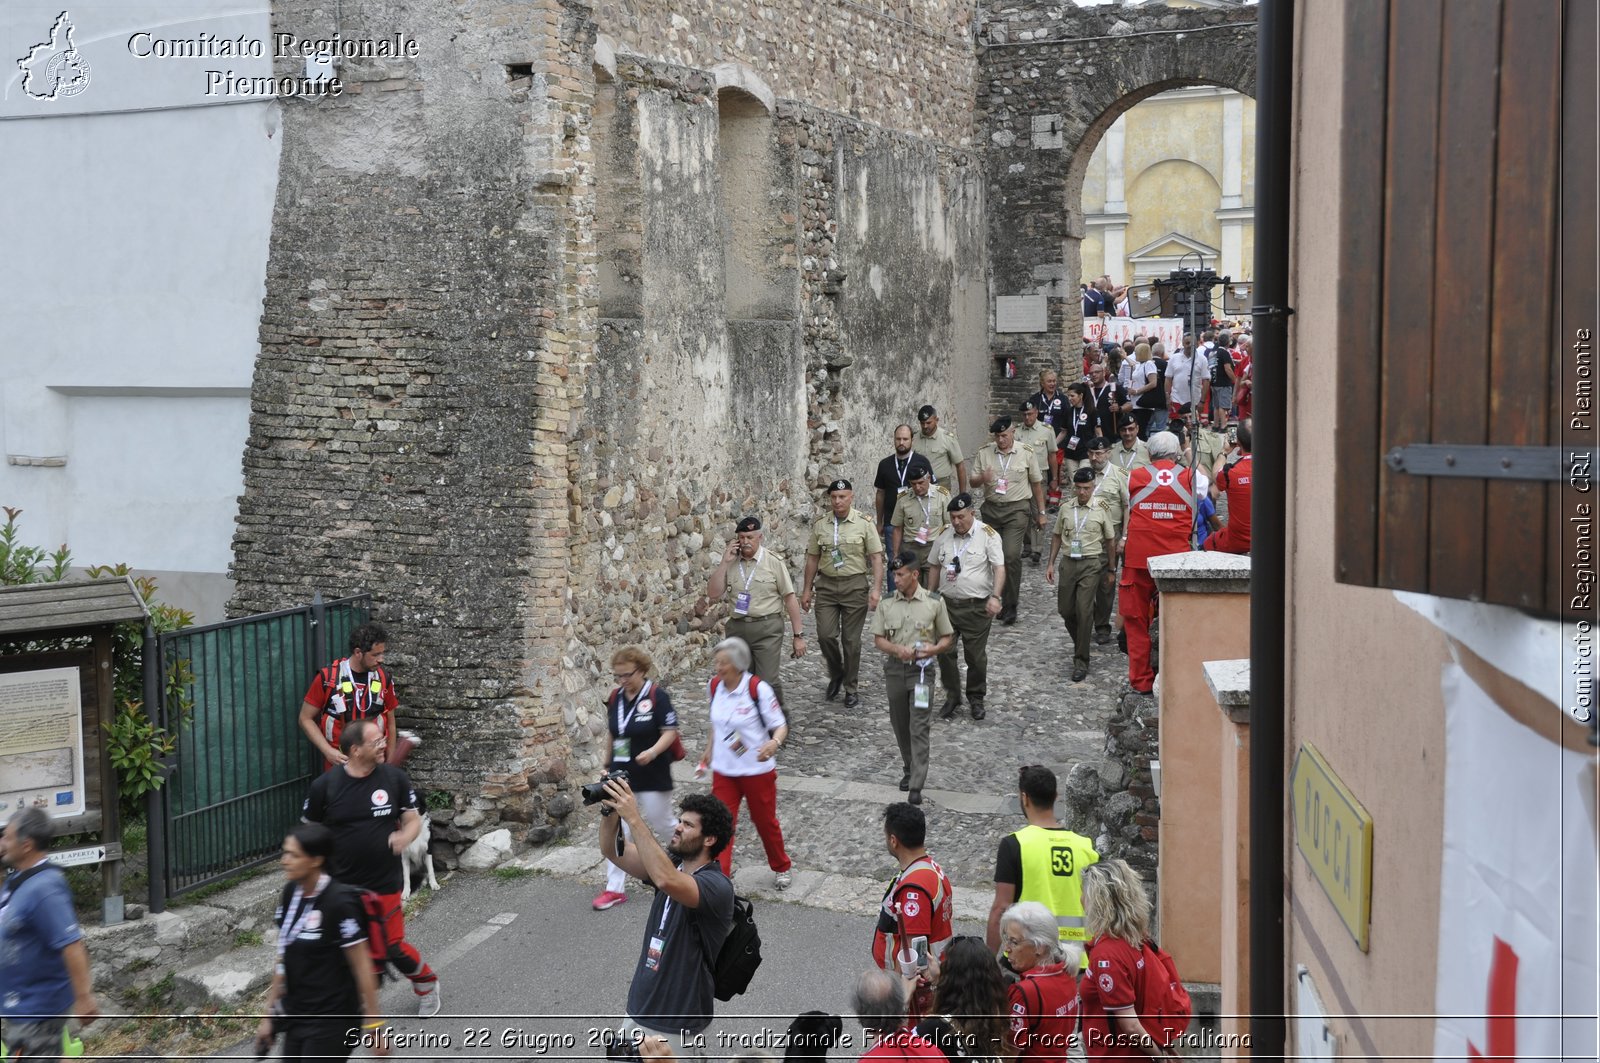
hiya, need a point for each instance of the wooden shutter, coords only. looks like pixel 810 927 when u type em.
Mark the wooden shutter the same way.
pixel 1466 272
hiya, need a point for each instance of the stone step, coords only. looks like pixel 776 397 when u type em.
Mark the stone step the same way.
pixel 227 979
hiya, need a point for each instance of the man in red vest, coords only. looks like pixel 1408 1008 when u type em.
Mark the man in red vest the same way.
pixel 1161 510
pixel 1234 538
pixel 352 688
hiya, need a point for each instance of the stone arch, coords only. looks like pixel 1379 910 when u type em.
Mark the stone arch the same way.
pixel 739 81
pixel 1049 90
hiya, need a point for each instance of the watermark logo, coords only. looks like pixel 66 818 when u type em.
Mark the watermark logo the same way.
pixel 55 69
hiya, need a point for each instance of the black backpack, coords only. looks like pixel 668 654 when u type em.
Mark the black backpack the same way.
pixel 741 952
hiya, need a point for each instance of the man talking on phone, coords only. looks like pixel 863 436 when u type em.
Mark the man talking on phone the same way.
pixel 756 585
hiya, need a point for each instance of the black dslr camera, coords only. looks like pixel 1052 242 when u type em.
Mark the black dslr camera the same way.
pixel 595 792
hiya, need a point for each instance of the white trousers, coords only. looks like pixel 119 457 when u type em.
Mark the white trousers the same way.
pixel 656 808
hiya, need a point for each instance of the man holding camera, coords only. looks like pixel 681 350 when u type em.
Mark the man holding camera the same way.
pixel 673 989
pixel 967 564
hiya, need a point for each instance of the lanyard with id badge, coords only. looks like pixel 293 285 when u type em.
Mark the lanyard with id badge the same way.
pixel 741 599
pixel 1003 482
pixel 837 557
pixel 621 744
pixel 1079 517
pixel 922 693
pixel 923 532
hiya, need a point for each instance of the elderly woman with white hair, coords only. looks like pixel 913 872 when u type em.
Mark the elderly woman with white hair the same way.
pixel 1044 1000
pixel 747 730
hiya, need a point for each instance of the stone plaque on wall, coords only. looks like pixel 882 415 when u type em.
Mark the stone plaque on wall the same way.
pixel 1020 313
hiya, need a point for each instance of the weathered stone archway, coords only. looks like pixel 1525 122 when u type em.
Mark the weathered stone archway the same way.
pixel 1052 80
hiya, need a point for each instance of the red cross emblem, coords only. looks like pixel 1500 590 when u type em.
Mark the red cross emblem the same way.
pixel 1164 477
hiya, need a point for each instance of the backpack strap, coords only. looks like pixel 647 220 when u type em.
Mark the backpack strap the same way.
pixel 755 700
pixel 1037 1015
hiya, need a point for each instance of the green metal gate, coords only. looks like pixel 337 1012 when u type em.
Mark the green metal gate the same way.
pixel 242 765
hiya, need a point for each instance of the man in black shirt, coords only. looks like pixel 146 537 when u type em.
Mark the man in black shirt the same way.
pixel 895 474
pixel 673 989
pixel 371 807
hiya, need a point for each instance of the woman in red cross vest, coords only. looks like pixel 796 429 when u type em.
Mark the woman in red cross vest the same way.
pixel 352 688
pixel 1161 508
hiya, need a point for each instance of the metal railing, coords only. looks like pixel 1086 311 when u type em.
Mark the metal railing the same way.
pixel 230 694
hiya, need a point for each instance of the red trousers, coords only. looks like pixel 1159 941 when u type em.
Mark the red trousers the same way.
pixel 761 793
pixel 404 955
pixel 1229 541
pixel 1136 601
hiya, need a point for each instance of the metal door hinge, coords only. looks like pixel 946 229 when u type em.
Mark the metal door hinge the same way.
pixel 1488 462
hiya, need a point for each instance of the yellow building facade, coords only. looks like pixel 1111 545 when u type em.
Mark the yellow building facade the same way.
pixel 1173 176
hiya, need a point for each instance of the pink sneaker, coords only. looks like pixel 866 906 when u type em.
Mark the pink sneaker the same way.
pixel 609 899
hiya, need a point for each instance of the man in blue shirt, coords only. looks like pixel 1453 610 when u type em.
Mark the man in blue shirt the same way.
pixel 44 968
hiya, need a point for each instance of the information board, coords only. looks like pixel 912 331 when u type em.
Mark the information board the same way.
pixel 1020 313
pixel 41 742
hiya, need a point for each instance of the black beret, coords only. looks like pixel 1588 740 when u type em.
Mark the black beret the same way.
pixel 1126 419
pixel 926 412
pixel 1027 404
pixel 918 467
pixel 1084 475
pixel 1099 443
pixel 960 502
pixel 749 524
pixel 902 559
pixel 1000 424
pixel 839 485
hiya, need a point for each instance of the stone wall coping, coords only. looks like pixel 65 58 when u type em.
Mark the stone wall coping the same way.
pixel 1229 682
pixel 1201 572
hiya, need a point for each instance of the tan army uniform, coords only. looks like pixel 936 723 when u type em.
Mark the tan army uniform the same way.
pixel 1006 511
pixel 843 549
pixel 906 621
pixel 966 597
pixel 1127 460
pixel 1110 491
pixel 1042 438
pixel 1085 538
pixel 920 520
pixel 765 578
pixel 943 452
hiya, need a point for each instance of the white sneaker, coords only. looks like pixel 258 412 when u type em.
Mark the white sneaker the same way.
pixel 428 1003
pixel 783 880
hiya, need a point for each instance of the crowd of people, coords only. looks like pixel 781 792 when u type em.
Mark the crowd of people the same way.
pixel 1133 461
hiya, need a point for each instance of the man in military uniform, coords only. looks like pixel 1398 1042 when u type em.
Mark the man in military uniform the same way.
pixel 1033 432
pixel 942 450
pixel 912 628
pixel 759 593
pixel 1132 451
pixel 919 516
pixel 844 569
pixel 1010 478
pixel 967 567
pixel 1111 491
pixel 1085 541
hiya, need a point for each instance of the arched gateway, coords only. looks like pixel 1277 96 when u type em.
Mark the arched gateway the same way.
pixel 1052 80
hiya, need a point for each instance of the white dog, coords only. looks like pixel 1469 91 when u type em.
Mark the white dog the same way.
pixel 417 855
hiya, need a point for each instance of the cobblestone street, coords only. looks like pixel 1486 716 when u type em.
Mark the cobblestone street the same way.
pixel 841 765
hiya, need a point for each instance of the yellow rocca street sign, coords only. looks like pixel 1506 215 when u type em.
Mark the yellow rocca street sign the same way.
pixel 1334 833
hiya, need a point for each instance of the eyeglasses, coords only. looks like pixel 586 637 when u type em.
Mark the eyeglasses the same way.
pixel 624 675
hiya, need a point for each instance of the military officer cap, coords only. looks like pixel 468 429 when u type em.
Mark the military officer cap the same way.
pixel 1084 475
pixel 1099 443
pixel 960 502
pixel 926 412
pixel 749 524
pixel 918 467
pixel 1001 423
pixel 839 485
pixel 1028 404
pixel 1126 419
pixel 902 559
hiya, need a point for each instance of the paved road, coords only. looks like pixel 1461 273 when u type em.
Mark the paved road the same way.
pixel 527 962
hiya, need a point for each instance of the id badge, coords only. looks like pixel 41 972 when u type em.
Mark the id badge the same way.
pixel 621 749
pixel 736 744
pixel 837 557
pixel 1001 484
pixel 652 957
pixel 922 695
pixel 741 603
pixel 922 535
pixel 951 572
pixel 1072 443
pixel 1075 550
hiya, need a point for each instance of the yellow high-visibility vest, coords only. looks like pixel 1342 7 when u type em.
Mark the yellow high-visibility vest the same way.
pixel 1053 860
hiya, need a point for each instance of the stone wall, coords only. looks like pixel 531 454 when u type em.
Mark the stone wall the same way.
pixel 906 65
pixel 1115 798
pixel 509 384
pixel 703 404
pixel 1052 79
pixel 410 397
